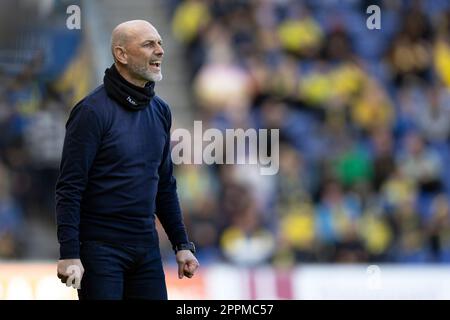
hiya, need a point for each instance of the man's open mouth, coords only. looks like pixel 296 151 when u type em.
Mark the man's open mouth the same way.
pixel 155 64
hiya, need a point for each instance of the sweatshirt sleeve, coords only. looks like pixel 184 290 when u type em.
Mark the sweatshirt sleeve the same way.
pixel 83 136
pixel 167 205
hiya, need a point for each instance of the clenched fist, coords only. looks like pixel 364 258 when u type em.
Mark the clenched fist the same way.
pixel 70 271
pixel 187 264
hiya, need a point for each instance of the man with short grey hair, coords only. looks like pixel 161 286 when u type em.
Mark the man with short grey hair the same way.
pixel 116 176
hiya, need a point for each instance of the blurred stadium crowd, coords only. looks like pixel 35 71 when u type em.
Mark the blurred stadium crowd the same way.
pixel 364 119
pixel 39 61
pixel 364 123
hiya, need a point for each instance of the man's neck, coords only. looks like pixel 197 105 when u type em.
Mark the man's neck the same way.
pixel 127 76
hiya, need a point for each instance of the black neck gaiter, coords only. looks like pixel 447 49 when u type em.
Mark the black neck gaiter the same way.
pixel 126 93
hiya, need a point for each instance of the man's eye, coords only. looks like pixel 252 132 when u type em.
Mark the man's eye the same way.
pixel 152 44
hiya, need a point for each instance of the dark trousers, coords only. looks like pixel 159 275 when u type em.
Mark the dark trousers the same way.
pixel 115 272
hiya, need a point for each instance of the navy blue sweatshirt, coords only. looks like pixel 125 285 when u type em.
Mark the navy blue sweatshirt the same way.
pixel 116 174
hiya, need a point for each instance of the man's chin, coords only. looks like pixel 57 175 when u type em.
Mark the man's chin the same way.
pixel 155 77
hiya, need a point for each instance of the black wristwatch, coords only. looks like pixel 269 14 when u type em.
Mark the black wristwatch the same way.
pixel 184 246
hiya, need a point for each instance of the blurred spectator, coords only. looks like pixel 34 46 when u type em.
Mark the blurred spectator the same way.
pixel 353 166
pixel 442 54
pixel 410 55
pixel 44 134
pixel 439 229
pixel 376 233
pixel 433 118
pixel 299 33
pixel 398 189
pixel 410 241
pixel 246 241
pixel 421 163
pixel 383 156
pixel 297 235
pixel 336 218
pixel 11 223
pixel 373 108
pixel 197 192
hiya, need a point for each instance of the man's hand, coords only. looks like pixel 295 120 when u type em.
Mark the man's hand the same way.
pixel 187 264
pixel 70 271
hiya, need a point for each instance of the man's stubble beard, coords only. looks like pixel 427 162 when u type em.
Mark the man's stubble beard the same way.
pixel 143 72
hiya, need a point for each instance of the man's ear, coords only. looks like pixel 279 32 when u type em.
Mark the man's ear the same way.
pixel 121 55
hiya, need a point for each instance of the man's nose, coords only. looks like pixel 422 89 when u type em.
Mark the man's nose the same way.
pixel 159 51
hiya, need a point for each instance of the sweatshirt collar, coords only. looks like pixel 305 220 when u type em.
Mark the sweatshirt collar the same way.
pixel 126 93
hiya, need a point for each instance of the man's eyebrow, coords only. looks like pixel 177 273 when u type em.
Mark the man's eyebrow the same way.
pixel 152 40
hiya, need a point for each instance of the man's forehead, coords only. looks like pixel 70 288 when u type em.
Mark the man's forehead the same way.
pixel 146 33
pixel 136 31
